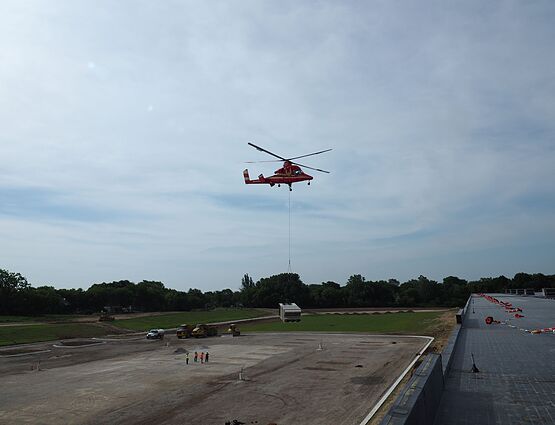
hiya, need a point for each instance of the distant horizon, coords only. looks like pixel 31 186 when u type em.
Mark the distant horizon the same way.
pixel 342 283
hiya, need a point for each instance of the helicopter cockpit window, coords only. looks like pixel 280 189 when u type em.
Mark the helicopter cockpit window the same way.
pixel 297 172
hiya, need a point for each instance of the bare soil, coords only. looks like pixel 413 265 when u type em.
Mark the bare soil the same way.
pixel 286 379
pixel 441 330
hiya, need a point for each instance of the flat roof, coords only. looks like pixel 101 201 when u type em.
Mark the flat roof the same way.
pixel 516 382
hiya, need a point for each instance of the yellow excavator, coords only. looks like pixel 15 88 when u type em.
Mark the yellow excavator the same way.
pixel 106 317
pixel 202 331
pixel 184 331
pixel 233 330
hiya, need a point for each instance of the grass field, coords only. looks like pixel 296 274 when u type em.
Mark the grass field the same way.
pixel 45 318
pixel 407 323
pixel 34 333
pixel 45 332
pixel 425 323
pixel 191 317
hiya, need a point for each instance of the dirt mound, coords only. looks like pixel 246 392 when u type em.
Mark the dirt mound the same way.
pixel 18 351
pixel 78 343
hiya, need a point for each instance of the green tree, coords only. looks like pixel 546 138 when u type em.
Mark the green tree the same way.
pixel 45 300
pixel 246 282
pixel 150 295
pixel 11 284
pixel 331 295
pixel 284 287
pixel 455 292
pixel 429 291
pixel 196 298
pixel 357 291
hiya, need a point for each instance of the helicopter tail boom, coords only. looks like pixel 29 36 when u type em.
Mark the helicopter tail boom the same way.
pixel 261 179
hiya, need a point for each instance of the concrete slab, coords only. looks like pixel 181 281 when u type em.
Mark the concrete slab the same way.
pixel 287 380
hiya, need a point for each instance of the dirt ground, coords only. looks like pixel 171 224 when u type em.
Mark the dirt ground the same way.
pixel 287 379
pixel 441 330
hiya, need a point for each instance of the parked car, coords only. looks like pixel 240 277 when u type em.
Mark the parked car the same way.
pixel 155 334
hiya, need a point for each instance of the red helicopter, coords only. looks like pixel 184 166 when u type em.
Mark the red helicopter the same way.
pixel 290 172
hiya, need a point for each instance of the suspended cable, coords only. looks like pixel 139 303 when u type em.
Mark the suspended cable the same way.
pixel 289 266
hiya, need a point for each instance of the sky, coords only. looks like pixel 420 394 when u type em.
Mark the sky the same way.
pixel 125 128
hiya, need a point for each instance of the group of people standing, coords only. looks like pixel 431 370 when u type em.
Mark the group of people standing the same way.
pixel 198 357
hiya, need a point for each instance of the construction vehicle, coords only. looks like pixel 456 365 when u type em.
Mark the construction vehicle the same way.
pixel 105 317
pixel 184 331
pixel 202 331
pixel 233 330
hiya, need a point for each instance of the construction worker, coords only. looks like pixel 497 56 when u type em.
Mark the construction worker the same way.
pixel 206 357
pixel 187 358
pixel 196 357
pixel 202 357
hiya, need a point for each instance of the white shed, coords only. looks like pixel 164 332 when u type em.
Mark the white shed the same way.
pixel 289 312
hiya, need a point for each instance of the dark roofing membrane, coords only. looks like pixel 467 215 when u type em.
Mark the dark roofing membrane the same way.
pixel 516 379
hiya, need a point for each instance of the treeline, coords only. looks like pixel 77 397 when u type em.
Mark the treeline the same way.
pixel 18 297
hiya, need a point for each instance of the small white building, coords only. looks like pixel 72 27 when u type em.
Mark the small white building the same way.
pixel 289 312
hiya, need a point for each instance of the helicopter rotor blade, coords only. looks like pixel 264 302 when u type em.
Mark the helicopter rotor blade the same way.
pixel 309 154
pixel 288 159
pixel 268 152
pixel 310 168
pixel 256 162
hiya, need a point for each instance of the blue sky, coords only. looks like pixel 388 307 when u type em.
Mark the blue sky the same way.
pixel 125 129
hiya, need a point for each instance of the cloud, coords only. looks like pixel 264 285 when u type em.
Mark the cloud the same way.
pixel 125 131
